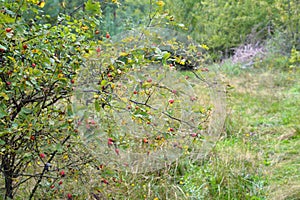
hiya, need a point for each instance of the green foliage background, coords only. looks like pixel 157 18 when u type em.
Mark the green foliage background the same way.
pixel 224 25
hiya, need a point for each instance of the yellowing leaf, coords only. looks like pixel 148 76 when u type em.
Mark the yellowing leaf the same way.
pixel 41 4
pixel 125 100
pixel 33 1
pixel 123 54
pixel 160 3
pixel 204 46
pixel 35 51
pixel 2 94
pixel 85 28
pixel 11 58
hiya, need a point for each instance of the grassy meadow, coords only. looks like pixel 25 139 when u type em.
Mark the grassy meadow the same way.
pixel 258 155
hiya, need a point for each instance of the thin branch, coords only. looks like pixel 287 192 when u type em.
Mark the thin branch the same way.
pixel 144 104
pixel 45 169
pixel 179 120
pixel 200 78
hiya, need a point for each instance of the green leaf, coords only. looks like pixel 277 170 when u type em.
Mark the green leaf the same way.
pixel 27 155
pixel 2 142
pixel 103 83
pixel 4 95
pixel 3 113
pixel 92 7
pixel 26 110
pixel 3 47
pixel 59 148
pixel 69 110
pixel 97 106
pixel 5 18
pixel 166 55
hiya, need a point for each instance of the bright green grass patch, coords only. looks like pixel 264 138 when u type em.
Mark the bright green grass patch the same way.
pixel 232 172
pixel 259 156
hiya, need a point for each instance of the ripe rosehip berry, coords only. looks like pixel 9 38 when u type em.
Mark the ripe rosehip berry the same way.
pixel 62 173
pixel 193 98
pixel 42 155
pixel 205 69
pixel 117 151
pixel 171 101
pixel 145 140
pixel 110 141
pixel 107 35
pixel 69 196
pixel 8 30
pixel 171 129
pixel 194 134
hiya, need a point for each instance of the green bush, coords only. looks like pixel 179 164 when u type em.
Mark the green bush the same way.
pixel 224 25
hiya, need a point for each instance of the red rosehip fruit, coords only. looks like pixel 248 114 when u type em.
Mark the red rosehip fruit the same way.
pixel 8 30
pixel 171 101
pixel 42 155
pixel 171 129
pixel 117 151
pixel 194 134
pixel 107 35
pixel 69 196
pixel 62 173
pixel 145 140
pixel 205 69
